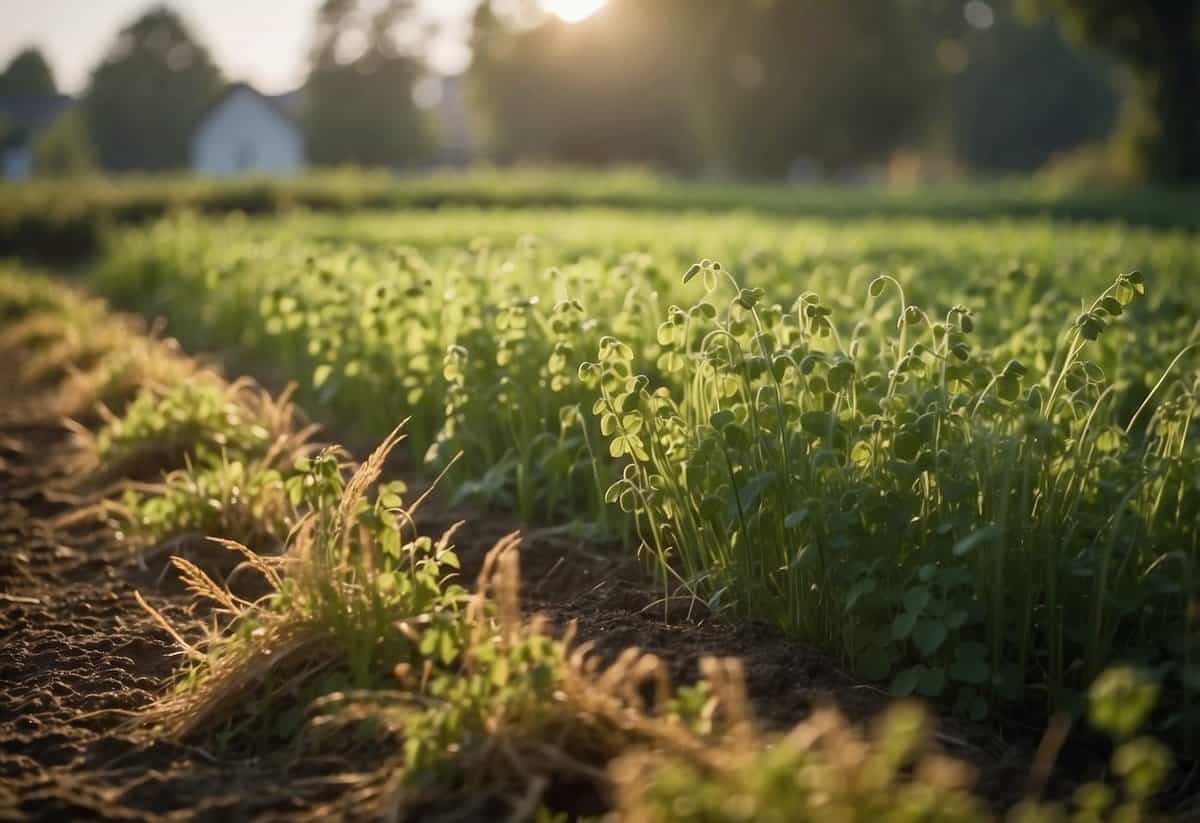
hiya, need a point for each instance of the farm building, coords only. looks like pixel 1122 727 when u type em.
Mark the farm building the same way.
pixel 246 132
pixel 22 118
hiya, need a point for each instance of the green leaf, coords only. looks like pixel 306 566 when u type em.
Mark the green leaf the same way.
pixel 321 374
pixel 863 587
pixel 748 298
pixel 1034 399
pixel 711 507
pixel 933 682
pixel 817 423
pixel 389 543
pixel 736 436
pixel 1015 368
pixel 1110 440
pixel 447 648
pixel 929 636
pixel 976 539
pixel 905 683
pixel 608 424
pixel 903 625
pixel 907 443
pixel 916 599
pixel 1008 387
pixel 721 419
pixel 796 519
pixel 860 455
pixel 1144 765
pixel 1094 798
pixel 1125 293
pixel 1120 701
pixel 752 489
pixel 1090 326
pixel 974 671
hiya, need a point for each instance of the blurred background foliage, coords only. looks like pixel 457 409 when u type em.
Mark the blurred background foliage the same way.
pixel 352 112
pixel 148 91
pixel 1086 91
pixel 27 73
pixel 800 88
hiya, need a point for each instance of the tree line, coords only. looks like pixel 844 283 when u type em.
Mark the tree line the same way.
pixel 745 88
pixel 156 79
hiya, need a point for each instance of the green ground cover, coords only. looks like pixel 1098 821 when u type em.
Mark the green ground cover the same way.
pixel 65 220
pixel 959 454
pixel 343 633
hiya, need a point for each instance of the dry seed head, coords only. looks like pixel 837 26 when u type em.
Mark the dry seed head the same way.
pixel 499 584
pixel 364 477
pixel 727 678
pixel 200 584
pixel 253 560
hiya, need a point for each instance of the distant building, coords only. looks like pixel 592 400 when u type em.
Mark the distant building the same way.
pixel 22 118
pixel 456 139
pixel 246 132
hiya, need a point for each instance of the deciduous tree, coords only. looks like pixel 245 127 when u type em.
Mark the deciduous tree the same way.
pixel 359 107
pixel 144 98
pixel 27 74
pixel 63 149
pixel 1160 41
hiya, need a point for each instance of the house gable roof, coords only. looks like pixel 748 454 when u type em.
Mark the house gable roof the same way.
pixel 277 104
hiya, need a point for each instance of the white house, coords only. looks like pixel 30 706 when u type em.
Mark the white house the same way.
pixel 245 132
pixel 445 99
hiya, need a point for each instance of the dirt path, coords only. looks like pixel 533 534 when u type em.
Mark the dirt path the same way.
pixel 78 658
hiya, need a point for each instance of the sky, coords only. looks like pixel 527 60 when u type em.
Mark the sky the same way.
pixel 264 42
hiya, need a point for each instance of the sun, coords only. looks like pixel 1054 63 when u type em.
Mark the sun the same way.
pixel 573 11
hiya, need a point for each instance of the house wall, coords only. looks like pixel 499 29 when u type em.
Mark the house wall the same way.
pixel 16 162
pixel 454 124
pixel 244 134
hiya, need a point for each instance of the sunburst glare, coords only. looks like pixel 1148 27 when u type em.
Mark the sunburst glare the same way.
pixel 573 11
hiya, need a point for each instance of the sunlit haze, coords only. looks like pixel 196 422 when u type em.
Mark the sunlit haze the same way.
pixel 574 11
pixel 265 42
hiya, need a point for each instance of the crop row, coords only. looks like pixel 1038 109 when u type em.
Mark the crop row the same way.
pixel 358 637
pixel 67 220
pixel 975 480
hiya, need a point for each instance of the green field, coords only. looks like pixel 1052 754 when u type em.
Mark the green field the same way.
pixel 959 455
pixel 61 220
pixel 946 443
